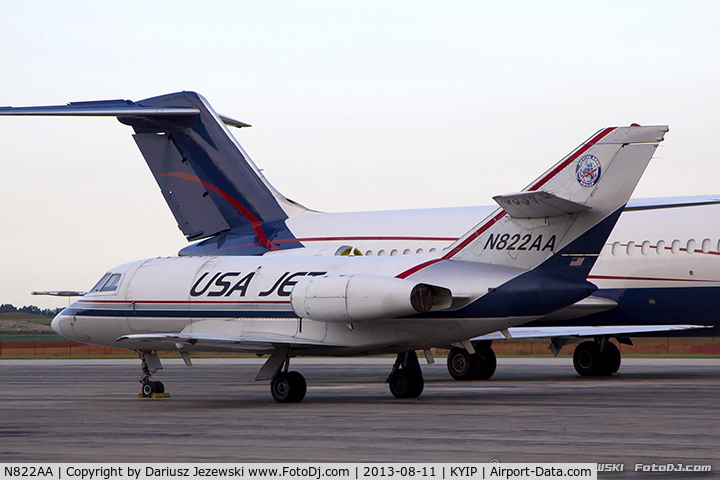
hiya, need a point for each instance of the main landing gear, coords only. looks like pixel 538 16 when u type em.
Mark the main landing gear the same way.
pixel 593 359
pixel 480 365
pixel 406 380
pixel 150 365
pixel 288 387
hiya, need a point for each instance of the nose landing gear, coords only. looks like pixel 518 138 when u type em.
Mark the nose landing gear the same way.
pixel 150 365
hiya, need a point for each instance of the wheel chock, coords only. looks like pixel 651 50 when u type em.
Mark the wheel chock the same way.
pixel 155 395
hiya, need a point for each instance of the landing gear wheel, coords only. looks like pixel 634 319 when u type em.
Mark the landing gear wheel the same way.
pixel 486 363
pixel 300 386
pixel 148 388
pixel 159 387
pixel 612 358
pixel 461 365
pixel 406 383
pixel 588 360
pixel 288 387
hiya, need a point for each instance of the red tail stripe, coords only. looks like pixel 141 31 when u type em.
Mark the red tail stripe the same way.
pixel 254 221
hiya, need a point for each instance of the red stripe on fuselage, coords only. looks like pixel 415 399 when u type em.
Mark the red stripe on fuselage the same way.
pixel 495 218
pixel 254 221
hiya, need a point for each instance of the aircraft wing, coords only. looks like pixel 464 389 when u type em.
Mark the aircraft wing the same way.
pixel 670 202
pixel 243 343
pixel 580 332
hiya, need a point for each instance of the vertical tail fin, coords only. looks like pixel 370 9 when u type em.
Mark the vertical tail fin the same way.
pixel 207 179
pixel 562 219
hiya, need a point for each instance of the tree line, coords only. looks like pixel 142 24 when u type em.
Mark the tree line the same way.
pixel 48 312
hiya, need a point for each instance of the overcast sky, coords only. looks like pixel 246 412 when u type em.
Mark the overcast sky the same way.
pixel 354 106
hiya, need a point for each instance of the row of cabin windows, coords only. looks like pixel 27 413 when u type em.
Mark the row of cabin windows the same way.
pixel 396 253
pixel 661 247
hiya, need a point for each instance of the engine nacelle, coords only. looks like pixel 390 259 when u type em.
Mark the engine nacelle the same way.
pixel 358 298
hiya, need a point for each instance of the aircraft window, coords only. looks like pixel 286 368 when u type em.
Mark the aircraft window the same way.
pixel 419 251
pixel 630 248
pixel 433 250
pixel 690 247
pixel 616 248
pixel 645 249
pixel 706 246
pixel 381 253
pixel 99 284
pixel 368 253
pixel 406 251
pixel 675 248
pixel 112 283
pixel 394 253
pixel 660 249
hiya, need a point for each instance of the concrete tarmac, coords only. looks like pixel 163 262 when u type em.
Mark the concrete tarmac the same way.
pixel 534 410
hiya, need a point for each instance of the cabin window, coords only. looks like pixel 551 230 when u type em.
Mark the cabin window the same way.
pixel 368 253
pixel 381 253
pixel 394 253
pixel 406 251
pixel 433 250
pixel 645 249
pixel 675 248
pixel 616 248
pixel 419 251
pixel 660 249
pixel 630 248
pixel 690 247
pixel 706 245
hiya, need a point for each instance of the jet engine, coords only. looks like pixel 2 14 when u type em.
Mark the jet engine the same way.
pixel 359 298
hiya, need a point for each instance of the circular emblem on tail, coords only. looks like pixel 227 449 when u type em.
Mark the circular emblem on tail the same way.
pixel 587 171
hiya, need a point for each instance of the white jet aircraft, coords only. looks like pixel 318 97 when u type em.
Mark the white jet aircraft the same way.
pixel 217 193
pixel 529 258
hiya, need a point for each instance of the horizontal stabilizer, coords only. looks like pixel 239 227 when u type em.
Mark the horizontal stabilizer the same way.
pixel 61 293
pixel 537 205
pixel 105 108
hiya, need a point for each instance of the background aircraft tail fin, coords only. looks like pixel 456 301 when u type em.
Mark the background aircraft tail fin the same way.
pixel 563 218
pixel 208 180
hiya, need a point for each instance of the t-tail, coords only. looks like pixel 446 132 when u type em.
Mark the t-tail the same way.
pixel 551 232
pixel 209 182
pixel 562 219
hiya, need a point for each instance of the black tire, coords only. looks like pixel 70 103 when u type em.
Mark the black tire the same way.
pixel 148 388
pixel 159 387
pixel 299 386
pixel 612 358
pixel 406 383
pixel 486 363
pixel 588 360
pixel 461 365
pixel 281 387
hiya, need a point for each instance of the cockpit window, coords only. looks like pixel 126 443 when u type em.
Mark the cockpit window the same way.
pixel 108 283
pixel 99 284
pixel 112 283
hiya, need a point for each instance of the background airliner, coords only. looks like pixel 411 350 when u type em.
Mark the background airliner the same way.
pixel 657 273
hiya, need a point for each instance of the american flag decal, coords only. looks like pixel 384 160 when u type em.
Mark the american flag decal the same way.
pixel 577 261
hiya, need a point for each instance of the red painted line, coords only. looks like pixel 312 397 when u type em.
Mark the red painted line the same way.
pixel 185 302
pixel 417 268
pixel 493 220
pixel 369 238
pixel 584 148
pixel 254 221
